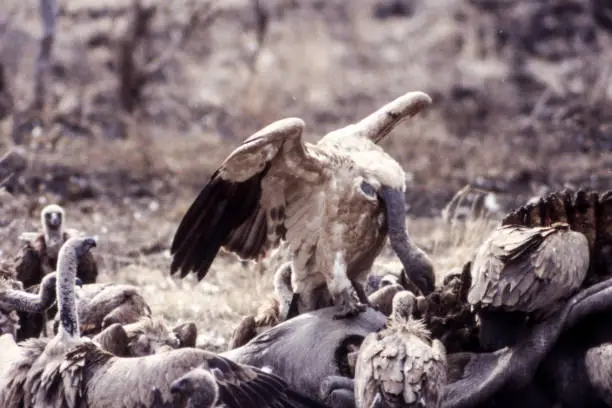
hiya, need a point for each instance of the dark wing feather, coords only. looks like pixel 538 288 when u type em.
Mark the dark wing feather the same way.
pixel 227 212
pixel 28 263
pixel 528 269
pixel 220 208
pixel 88 268
pixel 242 386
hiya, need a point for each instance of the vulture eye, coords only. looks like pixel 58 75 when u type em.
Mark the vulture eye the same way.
pixel 368 190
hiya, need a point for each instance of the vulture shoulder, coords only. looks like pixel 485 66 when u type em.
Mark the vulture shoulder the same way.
pixel 233 212
pixel 402 364
pixel 527 269
pixel 14 375
pixel 29 261
pixel 87 270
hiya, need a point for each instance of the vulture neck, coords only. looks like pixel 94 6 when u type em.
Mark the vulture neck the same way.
pixel 54 238
pixel 22 301
pixel 66 301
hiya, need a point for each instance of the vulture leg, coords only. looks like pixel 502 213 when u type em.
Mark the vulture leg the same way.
pixel 338 392
pixel 243 333
pixel 342 290
pixel 487 374
pixel 361 294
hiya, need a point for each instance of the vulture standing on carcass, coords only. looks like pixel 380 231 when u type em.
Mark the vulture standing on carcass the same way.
pixel 520 275
pixel 38 256
pixel 70 371
pixel 334 202
pixel 399 366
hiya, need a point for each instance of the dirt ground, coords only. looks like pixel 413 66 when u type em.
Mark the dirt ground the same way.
pixel 522 105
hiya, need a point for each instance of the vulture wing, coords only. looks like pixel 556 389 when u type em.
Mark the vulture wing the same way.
pixel 245 386
pixel 228 212
pixel 87 270
pixel 28 262
pixel 528 269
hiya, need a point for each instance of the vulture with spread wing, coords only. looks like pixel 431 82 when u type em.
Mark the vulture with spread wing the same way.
pixel 334 202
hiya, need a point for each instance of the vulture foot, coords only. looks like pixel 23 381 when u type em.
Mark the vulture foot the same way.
pixel 349 304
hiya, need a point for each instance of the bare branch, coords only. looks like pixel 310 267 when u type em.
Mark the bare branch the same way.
pixel 262 21
pixel 48 16
pixel 204 15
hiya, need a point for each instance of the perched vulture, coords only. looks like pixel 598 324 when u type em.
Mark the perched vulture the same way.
pixel 334 202
pixel 521 272
pixel 38 256
pixel 400 365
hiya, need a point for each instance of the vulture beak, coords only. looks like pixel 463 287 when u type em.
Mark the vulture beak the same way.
pixel 417 265
pixel 54 220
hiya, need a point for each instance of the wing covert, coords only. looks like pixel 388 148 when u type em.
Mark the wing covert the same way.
pixel 228 211
pixel 528 269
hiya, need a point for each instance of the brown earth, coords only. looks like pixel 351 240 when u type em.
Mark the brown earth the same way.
pixel 522 104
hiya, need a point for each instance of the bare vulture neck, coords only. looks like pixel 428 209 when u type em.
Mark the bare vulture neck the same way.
pixel 66 302
pixel 22 301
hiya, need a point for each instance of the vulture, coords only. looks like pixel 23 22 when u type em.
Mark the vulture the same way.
pixel 523 274
pixel 400 365
pixel 38 255
pixel 99 305
pixel 147 336
pixel 334 203
pixel 72 371
pixel 205 387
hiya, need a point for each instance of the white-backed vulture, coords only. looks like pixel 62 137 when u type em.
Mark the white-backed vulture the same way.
pixel 400 366
pixel 69 371
pixel 521 271
pixel 199 386
pixel 334 202
pixel 38 255
pixel 99 305
pixel 149 335
pixel 225 386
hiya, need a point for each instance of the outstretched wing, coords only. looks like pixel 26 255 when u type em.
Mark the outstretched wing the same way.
pixel 527 269
pixel 374 127
pixel 228 212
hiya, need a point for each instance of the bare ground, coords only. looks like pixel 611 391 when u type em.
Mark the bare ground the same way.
pixel 517 110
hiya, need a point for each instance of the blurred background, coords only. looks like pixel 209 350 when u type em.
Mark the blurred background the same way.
pixel 120 110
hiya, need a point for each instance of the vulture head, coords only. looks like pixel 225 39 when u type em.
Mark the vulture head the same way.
pixel 199 385
pixel 52 219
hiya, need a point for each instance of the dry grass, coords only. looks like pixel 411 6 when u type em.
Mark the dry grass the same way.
pixel 331 67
